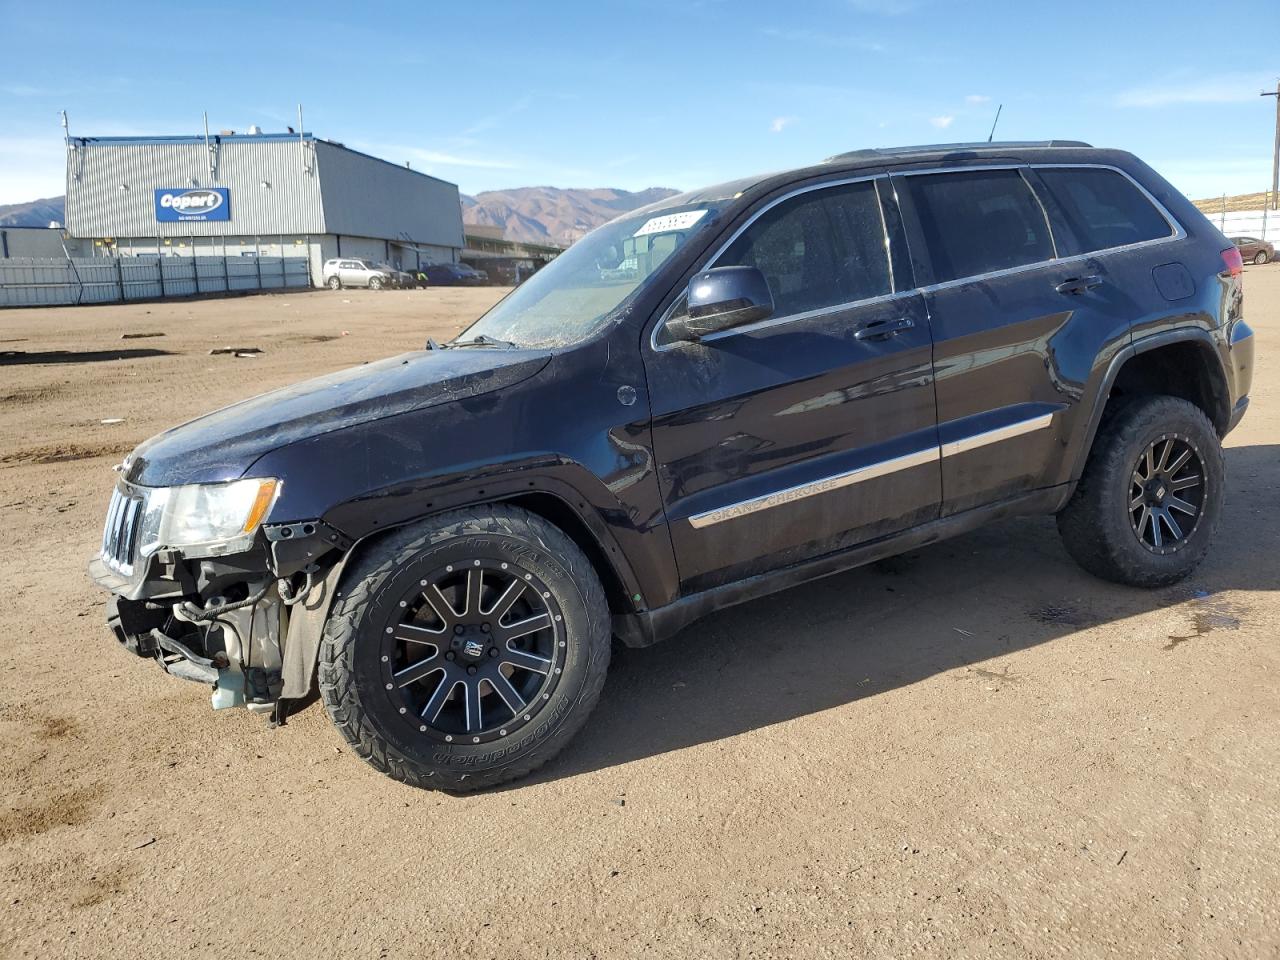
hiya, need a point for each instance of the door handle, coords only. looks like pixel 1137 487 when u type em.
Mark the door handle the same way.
pixel 883 329
pixel 1078 285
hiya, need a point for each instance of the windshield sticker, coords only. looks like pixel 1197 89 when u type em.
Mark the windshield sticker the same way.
pixel 670 222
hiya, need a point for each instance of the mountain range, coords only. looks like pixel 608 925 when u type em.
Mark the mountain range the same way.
pixel 549 215
pixel 33 213
pixel 553 215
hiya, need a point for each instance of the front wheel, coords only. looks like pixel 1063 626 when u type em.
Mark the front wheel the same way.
pixel 1150 496
pixel 466 652
pixel 375 283
pixel 335 283
pixel 1260 257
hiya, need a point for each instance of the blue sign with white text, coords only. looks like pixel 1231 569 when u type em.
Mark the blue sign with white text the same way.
pixel 174 205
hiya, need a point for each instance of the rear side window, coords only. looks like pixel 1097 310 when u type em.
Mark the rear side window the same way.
pixel 817 250
pixel 978 222
pixel 1103 208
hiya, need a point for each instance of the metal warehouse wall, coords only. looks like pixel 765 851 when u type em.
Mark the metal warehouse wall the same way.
pixel 36 242
pixel 98 207
pixel 367 197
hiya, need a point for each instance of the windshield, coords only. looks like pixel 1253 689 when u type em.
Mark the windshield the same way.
pixel 574 295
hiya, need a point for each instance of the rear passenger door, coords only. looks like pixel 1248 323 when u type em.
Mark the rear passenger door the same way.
pixel 813 430
pixel 1017 331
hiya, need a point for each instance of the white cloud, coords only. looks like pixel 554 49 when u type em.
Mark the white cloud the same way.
pixel 1224 88
pixel 24 90
pixel 976 98
pixel 397 153
pixel 890 8
pixel 781 123
pixel 942 122
pixel 818 39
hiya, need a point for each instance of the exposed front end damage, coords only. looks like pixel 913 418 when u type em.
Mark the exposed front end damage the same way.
pixel 247 624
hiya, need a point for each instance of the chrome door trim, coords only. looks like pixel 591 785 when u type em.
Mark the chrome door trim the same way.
pixel 1007 432
pixel 803 490
pixel 869 472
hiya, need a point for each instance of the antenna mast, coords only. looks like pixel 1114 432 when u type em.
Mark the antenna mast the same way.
pixel 994 122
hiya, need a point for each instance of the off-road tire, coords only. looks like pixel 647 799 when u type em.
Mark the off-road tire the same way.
pixel 349 675
pixel 335 283
pixel 1095 524
pixel 1260 257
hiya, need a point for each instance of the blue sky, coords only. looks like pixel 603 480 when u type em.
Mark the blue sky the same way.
pixel 676 93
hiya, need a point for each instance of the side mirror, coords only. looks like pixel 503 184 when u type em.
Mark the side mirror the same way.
pixel 721 298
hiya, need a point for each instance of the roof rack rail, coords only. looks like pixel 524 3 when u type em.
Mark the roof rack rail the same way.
pixel 873 152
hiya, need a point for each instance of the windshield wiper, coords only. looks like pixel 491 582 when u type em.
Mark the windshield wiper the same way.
pixel 481 340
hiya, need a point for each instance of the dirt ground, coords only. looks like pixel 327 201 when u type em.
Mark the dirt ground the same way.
pixel 975 750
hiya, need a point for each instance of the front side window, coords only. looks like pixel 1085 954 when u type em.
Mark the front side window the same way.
pixel 1103 208
pixel 978 222
pixel 817 250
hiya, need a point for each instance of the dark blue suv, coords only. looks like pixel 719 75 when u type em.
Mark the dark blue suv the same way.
pixel 710 399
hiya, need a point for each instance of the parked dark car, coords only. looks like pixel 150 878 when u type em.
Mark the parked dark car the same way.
pixel 716 397
pixel 450 274
pixel 1253 250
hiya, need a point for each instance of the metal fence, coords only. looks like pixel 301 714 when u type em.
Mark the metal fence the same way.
pixel 45 282
pixel 1263 224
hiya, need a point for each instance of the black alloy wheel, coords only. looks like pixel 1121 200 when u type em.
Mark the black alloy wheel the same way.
pixel 1150 496
pixel 1166 493
pixel 466 650
pixel 473 651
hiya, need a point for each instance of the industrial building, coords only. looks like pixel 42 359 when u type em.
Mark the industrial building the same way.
pixel 254 195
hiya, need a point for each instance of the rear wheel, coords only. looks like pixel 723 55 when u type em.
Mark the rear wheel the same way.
pixel 1260 257
pixel 467 652
pixel 335 283
pixel 1149 500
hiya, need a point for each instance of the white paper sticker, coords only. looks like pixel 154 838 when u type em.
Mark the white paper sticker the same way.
pixel 672 221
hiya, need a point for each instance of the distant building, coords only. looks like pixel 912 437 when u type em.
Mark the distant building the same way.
pixel 16 242
pixel 255 194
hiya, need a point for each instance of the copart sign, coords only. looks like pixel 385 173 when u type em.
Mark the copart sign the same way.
pixel 197 203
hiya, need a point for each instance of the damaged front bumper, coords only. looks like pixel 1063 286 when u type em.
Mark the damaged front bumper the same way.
pixel 248 625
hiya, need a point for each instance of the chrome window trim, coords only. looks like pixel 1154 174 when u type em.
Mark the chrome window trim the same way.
pixel 870 471
pixel 1178 233
pixel 1048 227
pixel 803 490
pixel 790 317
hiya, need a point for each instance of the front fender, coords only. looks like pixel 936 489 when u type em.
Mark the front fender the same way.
pixel 563 434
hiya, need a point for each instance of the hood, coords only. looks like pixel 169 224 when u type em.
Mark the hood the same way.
pixel 224 444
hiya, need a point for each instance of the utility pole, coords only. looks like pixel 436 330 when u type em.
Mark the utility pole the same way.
pixel 1275 157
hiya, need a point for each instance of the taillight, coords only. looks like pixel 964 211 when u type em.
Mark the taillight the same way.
pixel 1232 261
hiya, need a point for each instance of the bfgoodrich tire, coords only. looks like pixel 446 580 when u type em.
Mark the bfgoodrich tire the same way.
pixel 465 652
pixel 1149 500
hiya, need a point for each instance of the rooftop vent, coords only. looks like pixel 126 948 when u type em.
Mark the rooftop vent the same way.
pixel 255 131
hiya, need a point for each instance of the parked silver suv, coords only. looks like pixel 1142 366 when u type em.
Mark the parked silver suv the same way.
pixel 350 272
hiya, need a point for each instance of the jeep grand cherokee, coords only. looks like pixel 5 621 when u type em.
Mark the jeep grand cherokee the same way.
pixel 715 397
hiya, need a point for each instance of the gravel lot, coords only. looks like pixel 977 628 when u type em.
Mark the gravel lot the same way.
pixel 973 750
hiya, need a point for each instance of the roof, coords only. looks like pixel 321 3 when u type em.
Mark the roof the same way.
pixel 239 138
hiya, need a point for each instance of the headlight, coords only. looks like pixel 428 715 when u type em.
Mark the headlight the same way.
pixel 206 519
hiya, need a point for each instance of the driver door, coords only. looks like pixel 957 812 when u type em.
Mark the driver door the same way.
pixel 808 432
